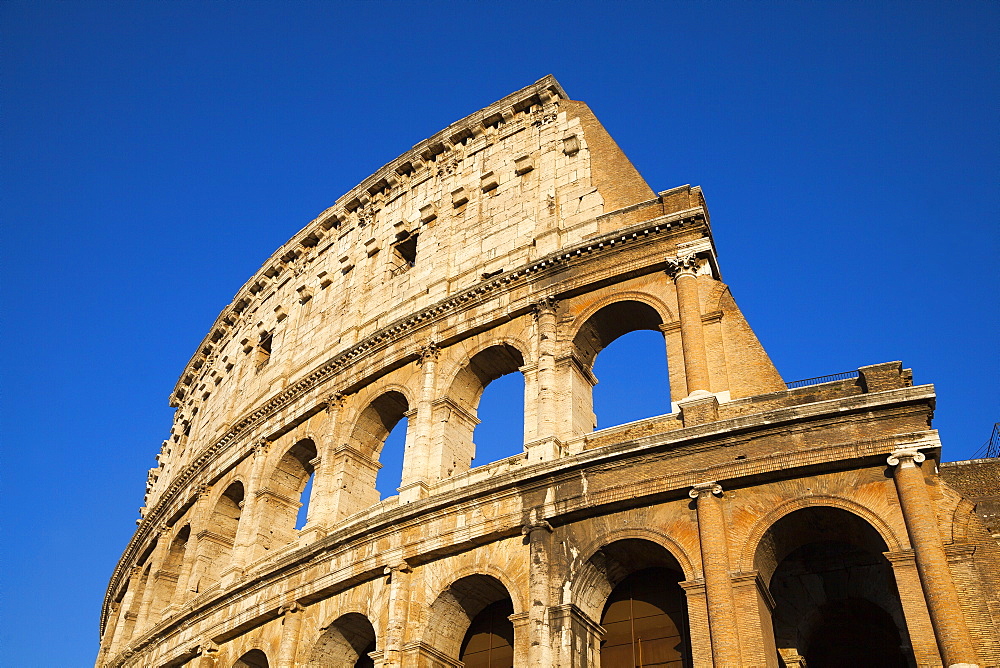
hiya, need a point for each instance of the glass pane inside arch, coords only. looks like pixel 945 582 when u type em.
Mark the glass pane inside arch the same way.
pixel 646 623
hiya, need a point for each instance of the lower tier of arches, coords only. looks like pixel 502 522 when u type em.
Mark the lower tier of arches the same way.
pixel 818 571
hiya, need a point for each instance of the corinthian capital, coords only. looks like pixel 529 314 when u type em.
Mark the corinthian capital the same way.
pixel 545 305
pixel 429 353
pixel 905 457
pixel 683 265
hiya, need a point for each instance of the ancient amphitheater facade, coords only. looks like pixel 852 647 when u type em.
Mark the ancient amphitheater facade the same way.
pixel 758 524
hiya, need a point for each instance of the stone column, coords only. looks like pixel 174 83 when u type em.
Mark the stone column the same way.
pixel 155 561
pixel 697 609
pixel 129 611
pixel 246 530
pixel 545 316
pixel 950 628
pixel 539 641
pixel 399 605
pixel 416 468
pixel 353 474
pixel 718 582
pixel 187 581
pixel 322 509
pixel 577 637
pixel 206 655
pixel 911 597
pixel 684 271
pixel 291 623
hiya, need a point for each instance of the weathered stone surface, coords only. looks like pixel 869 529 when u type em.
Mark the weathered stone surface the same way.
pixel 758 520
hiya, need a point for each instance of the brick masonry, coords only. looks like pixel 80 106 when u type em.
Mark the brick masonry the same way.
pixel 521 239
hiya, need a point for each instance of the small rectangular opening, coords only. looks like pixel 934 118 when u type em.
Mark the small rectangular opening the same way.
pixel 264 348
pixel 404 253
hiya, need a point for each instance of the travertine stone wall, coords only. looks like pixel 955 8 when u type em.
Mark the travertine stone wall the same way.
pixel 521 240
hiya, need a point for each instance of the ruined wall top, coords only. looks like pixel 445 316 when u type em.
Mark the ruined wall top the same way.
pixel 506 185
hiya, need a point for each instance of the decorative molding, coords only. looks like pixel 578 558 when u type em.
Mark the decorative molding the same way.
pixel 704 489
pixel 378 341
pixel 905 457
pixel 683 265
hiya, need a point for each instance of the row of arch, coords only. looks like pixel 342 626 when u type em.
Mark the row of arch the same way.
pixel 197 550
pixel 835 604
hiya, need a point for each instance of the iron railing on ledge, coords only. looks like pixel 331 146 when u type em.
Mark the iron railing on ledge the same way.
pixel 991 448
pixel 845 375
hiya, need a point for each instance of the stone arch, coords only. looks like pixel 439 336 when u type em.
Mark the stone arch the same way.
pixel 255 658
pixel 457 609
pixel 486 362
pixel 279 499
pixel 618 554
pixel 599 326
pixel 752 541
pixel 713 301
pixel 613 316
pixel 344 642
pixel 373 423
pixel 168 584
pixel 835 593
pixel 217 540
pixel 479 565
pixel 457 412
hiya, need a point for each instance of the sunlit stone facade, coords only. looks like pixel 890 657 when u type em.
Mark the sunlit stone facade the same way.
pixel 758 524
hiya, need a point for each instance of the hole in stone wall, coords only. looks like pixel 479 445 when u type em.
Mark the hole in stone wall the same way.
pixel 500 432
pixel 300 519
pixel 390 476
pixel 634 381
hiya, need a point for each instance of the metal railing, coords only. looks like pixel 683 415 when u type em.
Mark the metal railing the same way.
pixel 845 375
pixel 991 448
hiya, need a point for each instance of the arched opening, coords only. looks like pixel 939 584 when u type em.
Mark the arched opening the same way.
pixel 252 659
pixel 633 381
pixel 215 546
pixel 167 581
pixel 363 474
pixel 835 596
pixel 281 497
pixel 500 432
pixel 645 613
pixel 489 642
pixel 504 439
pixel 470 622
pixel 389 478
pixel 302 516
pixel 346 642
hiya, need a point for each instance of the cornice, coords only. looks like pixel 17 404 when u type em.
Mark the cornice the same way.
pixel 552 473
pixel 309 236
pixel 382 339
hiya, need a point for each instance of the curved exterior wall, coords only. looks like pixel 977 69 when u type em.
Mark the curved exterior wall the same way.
pixel 519 239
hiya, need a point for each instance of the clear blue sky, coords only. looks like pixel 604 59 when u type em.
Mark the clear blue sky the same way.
pixel 155 153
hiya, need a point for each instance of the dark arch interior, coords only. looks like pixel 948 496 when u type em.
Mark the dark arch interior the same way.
pixel 481 606
pixel 377 420
pixel 611 322
pixel 489 642
pixel 645 609
pixel 252 659
pixel 854 632
pixel 226 515
pixel 346 642
pixel 836 602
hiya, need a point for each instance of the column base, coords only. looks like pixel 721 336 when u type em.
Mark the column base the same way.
pixel 700 407
pixel 543 450
pixel 413 491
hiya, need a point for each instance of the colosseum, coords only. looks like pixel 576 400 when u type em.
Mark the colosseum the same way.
pixel 759 523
